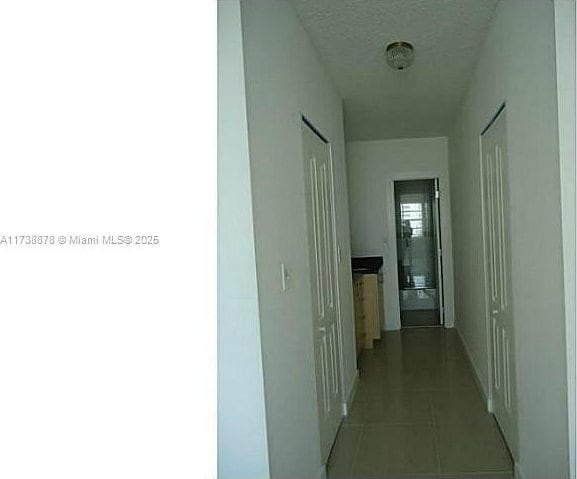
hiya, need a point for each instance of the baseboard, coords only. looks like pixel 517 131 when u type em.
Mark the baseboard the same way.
pixel 490 406
pixel 351 394
pixel 517 473
pixel 488 400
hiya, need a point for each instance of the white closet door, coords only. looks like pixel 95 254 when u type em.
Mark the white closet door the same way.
pixel 498 264
pixel 320 212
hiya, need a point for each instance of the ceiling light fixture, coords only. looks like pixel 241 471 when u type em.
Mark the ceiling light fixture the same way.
pixel 400 55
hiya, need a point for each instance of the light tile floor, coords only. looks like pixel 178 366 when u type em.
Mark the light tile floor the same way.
pixel 418 413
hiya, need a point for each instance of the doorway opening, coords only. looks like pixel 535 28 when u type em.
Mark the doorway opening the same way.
pixel 418 235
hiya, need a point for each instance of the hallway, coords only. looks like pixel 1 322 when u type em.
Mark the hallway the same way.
pixel 418 413
pixel 475 95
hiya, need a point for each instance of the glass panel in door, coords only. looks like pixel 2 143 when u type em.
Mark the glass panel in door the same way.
pixel 417 252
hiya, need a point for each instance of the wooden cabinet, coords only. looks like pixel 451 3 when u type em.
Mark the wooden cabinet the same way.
pixel 371 309
pixel 359 314
pixel 368 295
pixel 381 299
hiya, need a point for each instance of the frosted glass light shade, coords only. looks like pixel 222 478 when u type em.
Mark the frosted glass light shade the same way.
pixel 399 55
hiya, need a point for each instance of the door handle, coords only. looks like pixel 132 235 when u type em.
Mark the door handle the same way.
pixel 495 311
pixel 322 329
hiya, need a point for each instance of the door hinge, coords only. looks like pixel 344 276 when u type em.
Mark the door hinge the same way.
pixel 437 194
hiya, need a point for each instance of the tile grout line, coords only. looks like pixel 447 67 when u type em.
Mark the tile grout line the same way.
pixel 435 438
pixel 355 455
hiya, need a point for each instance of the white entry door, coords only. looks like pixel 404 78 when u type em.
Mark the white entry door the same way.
pixel 321 241
pixel 498 287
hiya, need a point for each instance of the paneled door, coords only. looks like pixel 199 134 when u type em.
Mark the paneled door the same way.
pixel 498 277
pixel 321 241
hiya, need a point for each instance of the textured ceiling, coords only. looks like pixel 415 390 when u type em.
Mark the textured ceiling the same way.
pixel 351 37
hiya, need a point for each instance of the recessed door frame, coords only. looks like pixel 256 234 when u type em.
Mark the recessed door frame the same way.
pixel 391 281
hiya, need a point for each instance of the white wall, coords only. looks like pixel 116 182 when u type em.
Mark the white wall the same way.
pixel 372 167
pixel 517 65
pixel 242 444
pixel 565 62
pixel 285 79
